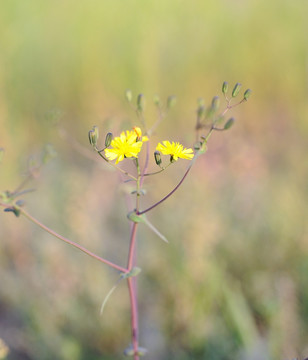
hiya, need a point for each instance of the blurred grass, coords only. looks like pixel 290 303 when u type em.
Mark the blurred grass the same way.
pixel 232 282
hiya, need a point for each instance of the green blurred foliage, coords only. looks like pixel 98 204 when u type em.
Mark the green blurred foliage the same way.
pixel 232 282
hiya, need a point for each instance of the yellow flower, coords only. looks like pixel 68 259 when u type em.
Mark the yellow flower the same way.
pixel 126 145
pixel 175 150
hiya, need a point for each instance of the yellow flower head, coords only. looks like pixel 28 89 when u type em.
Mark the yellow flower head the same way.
pixel 175 150
pixel 126 145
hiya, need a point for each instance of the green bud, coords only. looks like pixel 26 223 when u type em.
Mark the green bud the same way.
pixel 215 103
pixel 201 111
pixel 20 202
pixel 200 102
pixel 236 89
pixel 197 145
pixel 129 95
pixel 14 210
pixel 1 154
pixel 157 157
pixel 92 138
pixel 229 123
pixel 225 86
pixel 108 139
pixel 49 153
pixel 247 94
pixel 171 101
pixel 172 160
pixel 140 102
pixel 95 129
pixel 157 101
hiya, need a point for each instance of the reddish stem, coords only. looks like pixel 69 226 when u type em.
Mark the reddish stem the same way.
pixel 134 315
pixel 132 247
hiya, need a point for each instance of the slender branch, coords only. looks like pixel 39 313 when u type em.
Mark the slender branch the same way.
pixel 167 196
pixel 72 243
pixel 115 166
pixel 159 171
pixel 181 181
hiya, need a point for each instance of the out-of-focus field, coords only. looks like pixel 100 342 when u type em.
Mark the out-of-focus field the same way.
pixel 232 283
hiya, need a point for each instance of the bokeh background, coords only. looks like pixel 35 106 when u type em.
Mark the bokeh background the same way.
pixel 232 283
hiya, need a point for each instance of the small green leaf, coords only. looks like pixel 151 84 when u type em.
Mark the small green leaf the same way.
pixel 134 272
pixel 142 351
pixel 129 351
pixel 153 228
pixel 107 297
pixel 132 216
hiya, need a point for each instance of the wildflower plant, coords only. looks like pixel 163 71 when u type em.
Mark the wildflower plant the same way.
pixel 127 147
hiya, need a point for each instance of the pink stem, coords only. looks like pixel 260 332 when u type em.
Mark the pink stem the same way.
pixel 134 315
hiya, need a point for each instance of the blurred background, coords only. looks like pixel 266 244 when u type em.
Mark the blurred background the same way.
pixel 232 282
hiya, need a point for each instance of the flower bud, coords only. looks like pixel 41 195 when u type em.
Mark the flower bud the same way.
pixel 129 95
pixel 157 157
pixel 172 159
pixel 92 138
pixel 197 145
pixel 215 103
pixel 14 210
pixel 49 153
pixel 200 101
pixel 20 202
pixel 247 94
pixel 171 101
pixel 225 86
pixel 201 111
pixel 108 139
pixel 236 89
pixel 1 154
pixel 95 129
pixel 229 123
pixel 140 102
pixel 157 101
